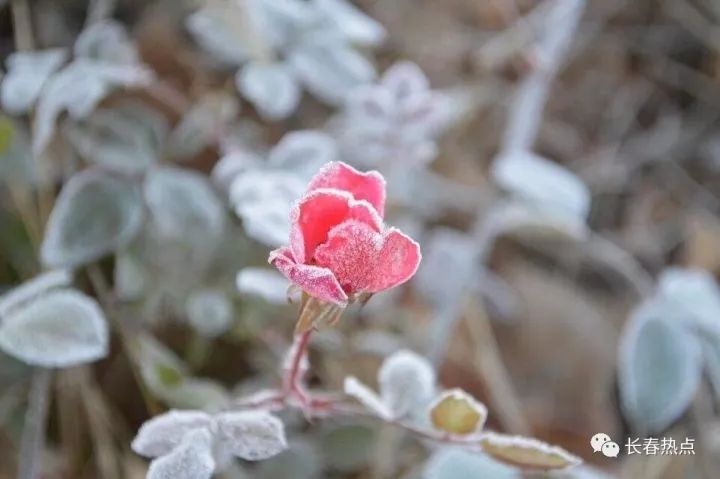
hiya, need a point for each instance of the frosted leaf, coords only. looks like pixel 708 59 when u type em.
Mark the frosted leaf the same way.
pixel 209 312
pixel 526 453
pixel 353 387
pixel 456 412
pixel 525 219
pixel 218 30
pixel 161 434
pixel 78 88
pixel 59 329
pixel 711 358
pixel 251 435
pixel 106 40
pixel 197 393
pixel 547 186
pixel 329 69
pixel 192 459
pixel 695 292
pixel 263 200
pixel 455 463
pixel 168 378
pixel 282 21
pixel 659 368
pixel 183 205
pixel 446 250
pixel 271 88
pixel 407 85
pixel 126 140
pixel 27 73
pixel 407 382
pixel 232 165
pixel 32 289
pixel 303 152
pixel 94 215
pixel 354 24
pixel 266 283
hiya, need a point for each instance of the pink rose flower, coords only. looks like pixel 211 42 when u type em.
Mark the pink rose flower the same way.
pixel 339 245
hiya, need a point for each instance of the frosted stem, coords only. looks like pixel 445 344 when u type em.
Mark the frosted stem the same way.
pixel 33 437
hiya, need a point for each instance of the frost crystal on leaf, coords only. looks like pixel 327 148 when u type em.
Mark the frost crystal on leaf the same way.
pixel 457 412
pixel 192 459
pixel 251 435
pixel 61 328
pixel 161 434
pixel 192 444
pixel 95 214
pixel 526 453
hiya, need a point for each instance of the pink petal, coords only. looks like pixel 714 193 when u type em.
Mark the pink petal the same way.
pixel 351 253
pixel 369 186
pixel 397 262
pixel 314 280
pixel 313 217
pixel 321 210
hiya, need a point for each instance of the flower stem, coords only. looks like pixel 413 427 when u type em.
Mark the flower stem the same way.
pixel 292 382
pixel 33 437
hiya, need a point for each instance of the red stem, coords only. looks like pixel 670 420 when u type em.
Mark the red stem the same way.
pixel 292 382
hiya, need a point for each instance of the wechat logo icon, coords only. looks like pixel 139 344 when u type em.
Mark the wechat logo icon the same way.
pixel 602 443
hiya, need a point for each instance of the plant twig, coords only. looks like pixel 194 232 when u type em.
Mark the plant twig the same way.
pixel 33 437
pixel 22 25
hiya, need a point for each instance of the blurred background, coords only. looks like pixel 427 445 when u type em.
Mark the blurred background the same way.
pixel 558 162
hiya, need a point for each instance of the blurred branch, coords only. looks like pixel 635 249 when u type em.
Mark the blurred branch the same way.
pixel 99 10
pixel 558 27
pixel 22 25
pixel 33 438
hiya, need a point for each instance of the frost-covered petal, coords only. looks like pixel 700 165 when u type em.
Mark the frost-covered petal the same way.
pixel 353 387
pixel 313 217
pixel 527 453
pixel 161 434
pixel 27 73
pixel 397 262
pixel 351 253
pixel 192 459
pixel 318 282
pixel 407 382
pixel 272 88
pixel 457 412
pixel 368 186
pixel 251 435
